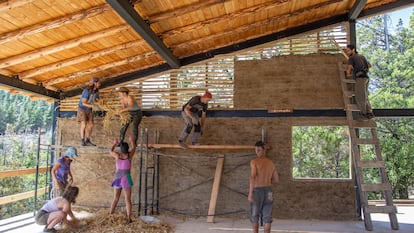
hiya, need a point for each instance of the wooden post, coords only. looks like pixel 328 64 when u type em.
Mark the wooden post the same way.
pixel 215 189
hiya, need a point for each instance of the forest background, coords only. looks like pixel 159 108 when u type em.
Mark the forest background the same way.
pixel 389 48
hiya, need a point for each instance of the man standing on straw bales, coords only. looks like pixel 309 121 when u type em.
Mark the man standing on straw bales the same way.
pixel 90 95
pixel 191 115
pixel 262 175
pixel 129 105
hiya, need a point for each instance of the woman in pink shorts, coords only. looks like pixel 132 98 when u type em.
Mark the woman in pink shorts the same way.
pixel 123 180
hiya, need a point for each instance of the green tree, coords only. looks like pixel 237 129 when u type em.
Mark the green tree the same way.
pixel 20 114
pixel 391 86
pixel 320 152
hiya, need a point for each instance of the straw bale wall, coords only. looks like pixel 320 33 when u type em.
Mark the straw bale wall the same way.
pixel 186 176
pixel 300 82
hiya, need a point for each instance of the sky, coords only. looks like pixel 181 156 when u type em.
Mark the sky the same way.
pixel 404 14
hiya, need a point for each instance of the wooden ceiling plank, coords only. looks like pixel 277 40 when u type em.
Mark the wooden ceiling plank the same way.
pixel 131 16
pixel 128 60
pixel 244 12
pixel 38 53
pixel 183 10
pixel 11 4
pixel 53 23
pixel 75 60
pixel 257 24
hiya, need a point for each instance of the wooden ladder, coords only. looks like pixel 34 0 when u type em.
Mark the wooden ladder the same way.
pixel 363 166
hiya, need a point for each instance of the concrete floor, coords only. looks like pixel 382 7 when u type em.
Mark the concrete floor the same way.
pixel 222 225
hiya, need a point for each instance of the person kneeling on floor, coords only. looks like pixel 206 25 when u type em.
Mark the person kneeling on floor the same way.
pixel 56 210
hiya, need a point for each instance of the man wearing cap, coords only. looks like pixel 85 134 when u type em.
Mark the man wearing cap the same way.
pixel 85 115
pixel 191 112
pixel 130 105
pixel 61 171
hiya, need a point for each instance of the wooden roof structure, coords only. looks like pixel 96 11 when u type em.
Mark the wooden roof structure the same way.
pixel 53 48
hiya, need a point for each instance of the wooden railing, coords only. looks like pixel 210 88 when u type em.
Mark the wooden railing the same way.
pixel 21 196
pixel 20 172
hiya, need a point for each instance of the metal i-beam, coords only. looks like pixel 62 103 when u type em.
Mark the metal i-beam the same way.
pixel 131 16
pixel 16 83
pixel 356 9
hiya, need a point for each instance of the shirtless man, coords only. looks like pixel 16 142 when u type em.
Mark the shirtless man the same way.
pixel 262 175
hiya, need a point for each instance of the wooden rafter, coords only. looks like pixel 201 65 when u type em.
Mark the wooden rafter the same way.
pixel 54 23
pixel 11 4
pixel 24 57
pixel 75 60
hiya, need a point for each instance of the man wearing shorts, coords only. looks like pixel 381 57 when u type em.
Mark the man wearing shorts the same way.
pixel 85 115
pixel 262 175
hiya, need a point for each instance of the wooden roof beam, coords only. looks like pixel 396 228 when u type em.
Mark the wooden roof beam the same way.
pixel 356 9
pixel 131 16
pixel 11 4
pixel 54 23
pixel 16 83
pixel 38 53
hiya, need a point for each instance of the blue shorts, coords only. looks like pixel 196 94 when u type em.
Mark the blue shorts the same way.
pixel 262 205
